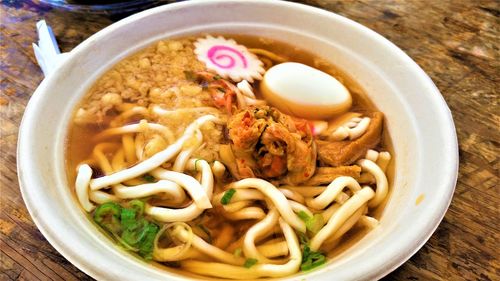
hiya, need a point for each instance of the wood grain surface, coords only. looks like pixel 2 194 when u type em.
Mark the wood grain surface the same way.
pixel 455 41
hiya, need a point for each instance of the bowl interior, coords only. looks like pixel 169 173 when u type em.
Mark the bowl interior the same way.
pixel 418 120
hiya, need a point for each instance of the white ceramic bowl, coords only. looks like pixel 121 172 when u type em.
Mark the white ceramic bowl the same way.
pixel 419 121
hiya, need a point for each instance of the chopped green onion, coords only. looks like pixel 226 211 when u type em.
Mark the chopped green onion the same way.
pixel 138 206
pixel 227 196
pixel 311 259
pixel 147 244
pixel 129 229
pixel 128 220
pixel 304 240
pixel 135 236
pixel 315 223
pixel 148 178
pixel 125 244
pixel 249 263
pixel 195 167
pixel 217 77
pixel 303 216
pixel 107 216
pixel 237 252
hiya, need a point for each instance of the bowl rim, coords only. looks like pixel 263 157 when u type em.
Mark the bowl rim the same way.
pixel 446 116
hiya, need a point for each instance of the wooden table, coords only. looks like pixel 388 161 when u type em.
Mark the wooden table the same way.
pixel 455 41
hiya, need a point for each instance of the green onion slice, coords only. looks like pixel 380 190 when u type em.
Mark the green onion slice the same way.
pixel 135 236
pixel 147 244
pixel 138 206
pixel 107 216
pixel 237 252
pixel 311 259
pixel 128 220
pixel 148 178
pixel 227 196
pixel 303 216
pixel 315 223
pixel 195 165
pixel 249 263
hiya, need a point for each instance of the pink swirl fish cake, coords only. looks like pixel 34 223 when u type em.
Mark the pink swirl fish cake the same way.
pixel 228 59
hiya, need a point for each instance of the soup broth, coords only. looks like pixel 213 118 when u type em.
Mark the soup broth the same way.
pixel 182 167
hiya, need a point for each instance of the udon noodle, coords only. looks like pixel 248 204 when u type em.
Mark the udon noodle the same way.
pixel 193 169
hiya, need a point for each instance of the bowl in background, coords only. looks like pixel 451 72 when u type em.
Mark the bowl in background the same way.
pixel 420 125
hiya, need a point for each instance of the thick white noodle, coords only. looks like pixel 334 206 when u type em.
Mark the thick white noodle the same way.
pixel 184 155
pixel 348 224
pixel 341 215
pixel 297 207
pixel 250 101
pixel 332 192
pixel 101 197
pixel 257 271
pixel 175 253
pixel 118 161
pixel 359 129
pixel 239 243
pixel 352 129
pixel 136 128
pixel 335 239
pixel 255 232
pixel 154 161
pixel 247 97
pixel 118 120
pixel 368 222
pixel 199 244
pixel 371 155
pixel 341 133
pixel 383 160
pixel 246 89
pixel 129 149
pixel 207 177
pixel 279 200
pixel 139 143
pixel 306 191
pixel 236 206
pixel 82 187
pixel 192 211
pixel 248 213
pixel 268 54
pixel 276 249
pixel 380 178
pixel 190 184
pixel 218 169
pixel 174 215
pixel 240 99
pixel 290 194
pixel 240 195
pixel 174 192
pixel 102 160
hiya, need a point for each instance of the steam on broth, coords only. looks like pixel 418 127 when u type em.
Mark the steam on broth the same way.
pixel 176 155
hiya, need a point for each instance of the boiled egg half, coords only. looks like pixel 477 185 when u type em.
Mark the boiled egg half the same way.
pixel 303 91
